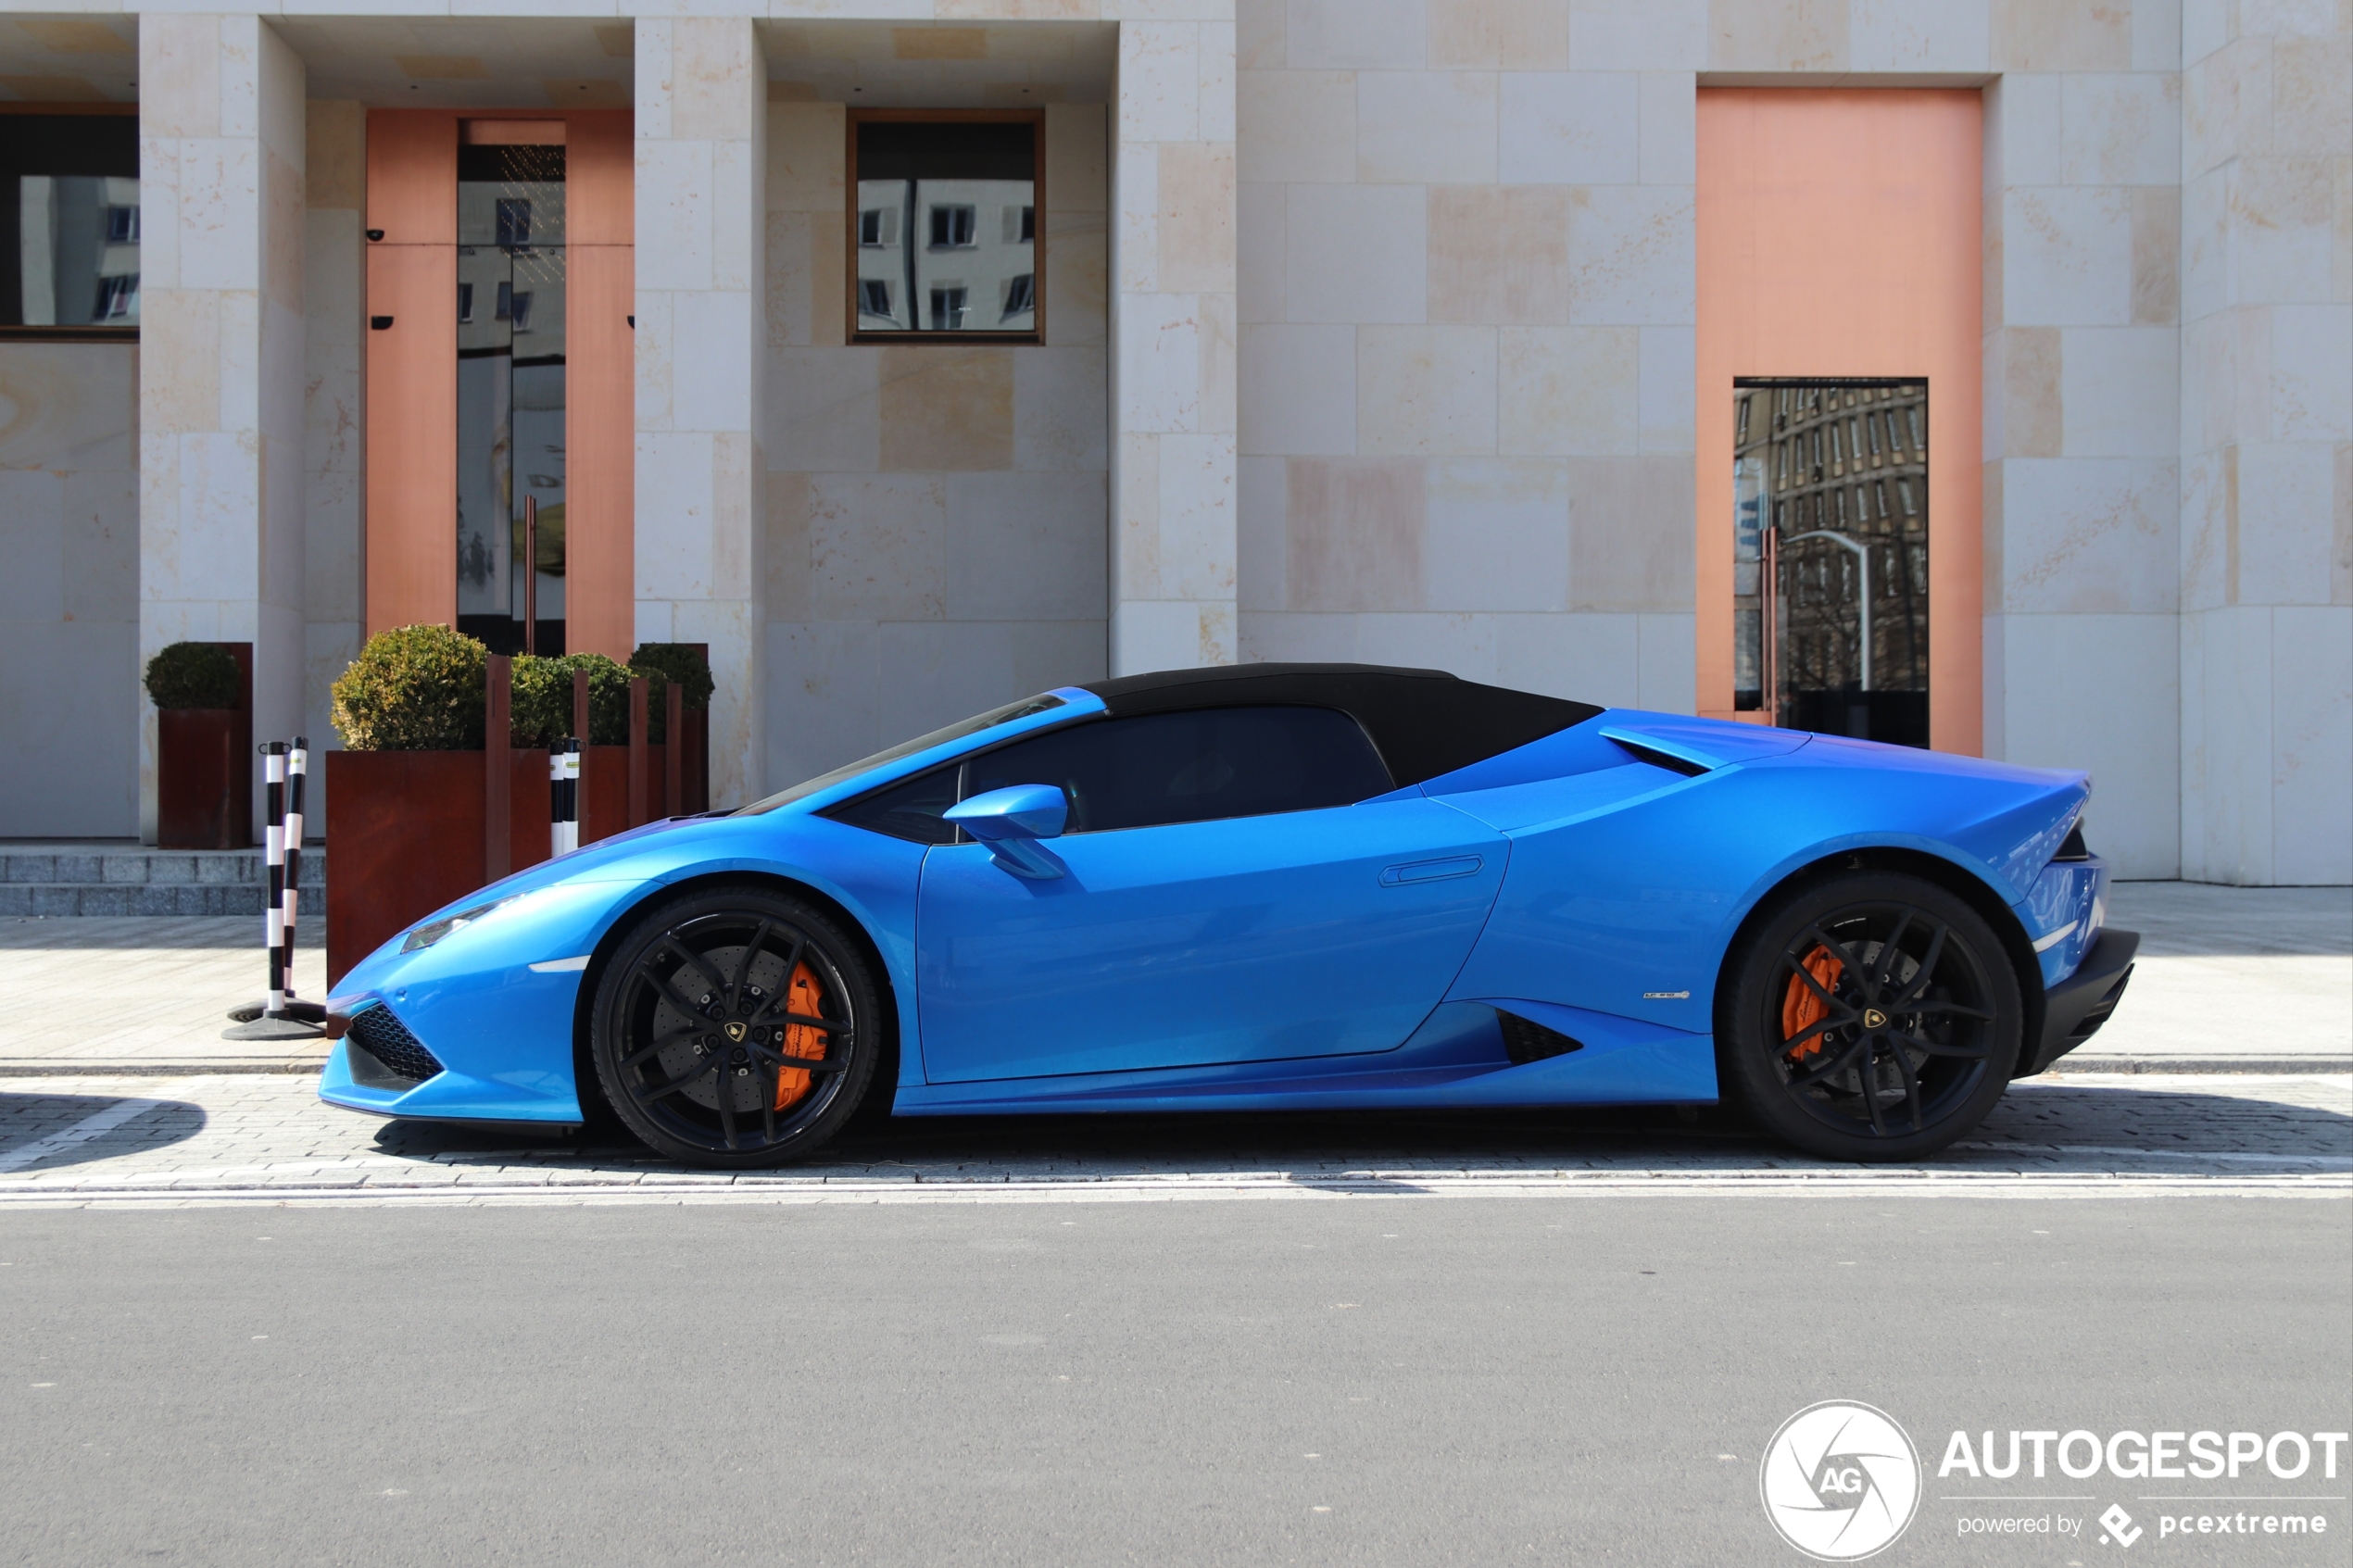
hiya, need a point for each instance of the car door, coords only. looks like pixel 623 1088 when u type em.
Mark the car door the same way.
pixel 1232 892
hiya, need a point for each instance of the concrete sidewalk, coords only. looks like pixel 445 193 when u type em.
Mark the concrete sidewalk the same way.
pixel 143 994
pixel 2230 980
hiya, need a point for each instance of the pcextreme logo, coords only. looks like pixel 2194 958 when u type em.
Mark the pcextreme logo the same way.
pixel 1840 1481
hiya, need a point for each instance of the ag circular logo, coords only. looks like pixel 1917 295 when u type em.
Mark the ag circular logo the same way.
pixel 1840 1481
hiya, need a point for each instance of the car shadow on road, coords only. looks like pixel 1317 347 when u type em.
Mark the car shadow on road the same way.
pixel 2032 1124
pixel 47 1132
pixel 1142 1143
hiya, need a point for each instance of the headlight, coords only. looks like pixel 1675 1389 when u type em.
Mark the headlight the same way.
pixel 426 936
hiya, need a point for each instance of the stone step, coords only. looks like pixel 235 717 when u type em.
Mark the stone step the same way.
pixel 108 879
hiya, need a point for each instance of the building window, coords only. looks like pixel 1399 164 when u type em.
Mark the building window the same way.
pixel 1021 297
pixel 954 228
pixel 68 225
pixel 514 222
pixel 944 224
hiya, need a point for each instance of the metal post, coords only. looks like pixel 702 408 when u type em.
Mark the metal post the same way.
pixel 674 751
pixel 1769 618
pixel 297 774
pixel 278 1016
pixel 571 794
pixel 582 735
pixel 531 574
pixel 559 786
pixel 497 767
pixel 638 815
pixel 273 924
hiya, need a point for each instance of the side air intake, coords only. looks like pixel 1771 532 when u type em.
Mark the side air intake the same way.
pixel 393 1057
pixel 1525 1040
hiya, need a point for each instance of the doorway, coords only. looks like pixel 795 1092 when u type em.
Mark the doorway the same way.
pixel 1840 236
pixel 1831 555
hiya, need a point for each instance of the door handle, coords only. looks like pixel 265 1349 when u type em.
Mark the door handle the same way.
pixel 1430 871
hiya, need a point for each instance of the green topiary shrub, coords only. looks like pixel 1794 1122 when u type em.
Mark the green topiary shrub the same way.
pixel 662 663
pixel 541 709
pixel 413 689
pixel 607 696
pixel 193 675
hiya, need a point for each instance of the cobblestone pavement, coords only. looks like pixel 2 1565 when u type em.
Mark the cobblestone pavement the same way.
pixel 266 1138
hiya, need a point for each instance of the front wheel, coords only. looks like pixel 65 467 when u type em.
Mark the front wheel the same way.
pixel 1874 1016
pixel 736 1028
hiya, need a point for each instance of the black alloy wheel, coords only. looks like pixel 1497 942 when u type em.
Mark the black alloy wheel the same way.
pixel 736 1028
pixel 1874 1016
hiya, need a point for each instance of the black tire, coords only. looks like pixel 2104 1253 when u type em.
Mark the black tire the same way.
pixel 695 1028
pixel 1870 1016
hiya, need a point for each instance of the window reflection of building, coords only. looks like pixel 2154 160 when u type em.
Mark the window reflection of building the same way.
pixel 69 192
pixel 511 395
pixel 946 225
pixel 1829 537
pixel 976 269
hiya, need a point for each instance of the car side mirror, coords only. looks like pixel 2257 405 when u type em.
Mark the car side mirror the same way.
pixel 1011 820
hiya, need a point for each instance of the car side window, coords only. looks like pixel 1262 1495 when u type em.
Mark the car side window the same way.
pixel 910 810
pixel 1192 766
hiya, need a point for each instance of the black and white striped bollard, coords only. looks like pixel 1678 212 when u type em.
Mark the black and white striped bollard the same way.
pixel 297 773
pixel 563 798
pixel 274 857
pixel 278 1017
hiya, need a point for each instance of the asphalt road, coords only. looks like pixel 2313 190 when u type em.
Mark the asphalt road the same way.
pixel 1392 1381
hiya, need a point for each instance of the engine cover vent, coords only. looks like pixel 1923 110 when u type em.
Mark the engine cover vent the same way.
pixel 1526 1040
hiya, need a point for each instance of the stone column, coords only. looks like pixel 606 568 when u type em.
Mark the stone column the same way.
pixel 702 335
pixel 335 378
pixel 1173 371
pixel 2081 480
pixel 220 394
pixel 2267 467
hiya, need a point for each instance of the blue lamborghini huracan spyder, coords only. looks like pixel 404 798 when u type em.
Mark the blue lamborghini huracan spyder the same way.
pixel 1276 888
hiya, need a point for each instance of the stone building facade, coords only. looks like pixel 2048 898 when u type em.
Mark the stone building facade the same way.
pixel 1399 331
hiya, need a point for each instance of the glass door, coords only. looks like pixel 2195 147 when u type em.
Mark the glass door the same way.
pixel 1830 556
pixel 510 394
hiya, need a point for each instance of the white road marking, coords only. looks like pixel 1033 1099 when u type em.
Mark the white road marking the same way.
pixel 96 1125
pixel 1339 1187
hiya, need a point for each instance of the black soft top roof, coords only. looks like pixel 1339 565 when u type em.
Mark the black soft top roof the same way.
pixel 1425 722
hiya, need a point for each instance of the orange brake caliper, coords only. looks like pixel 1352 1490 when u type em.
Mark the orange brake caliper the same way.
pixel 801 1040
pixel 1802 1009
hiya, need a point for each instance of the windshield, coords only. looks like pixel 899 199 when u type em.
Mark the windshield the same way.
pixel 956 732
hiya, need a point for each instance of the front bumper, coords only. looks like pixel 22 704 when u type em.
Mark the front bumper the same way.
pixel 2075 1008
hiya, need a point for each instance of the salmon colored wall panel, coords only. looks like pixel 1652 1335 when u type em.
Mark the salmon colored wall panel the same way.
pixel 412 372
pixel 412 177
pixel 1839 235
pixel 600 484
pixel 412 436
pixel 601 159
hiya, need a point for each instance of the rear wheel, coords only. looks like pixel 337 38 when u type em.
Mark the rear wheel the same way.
pixel 736 1028
pixel 1874 1016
